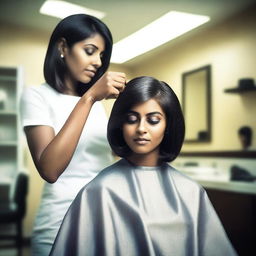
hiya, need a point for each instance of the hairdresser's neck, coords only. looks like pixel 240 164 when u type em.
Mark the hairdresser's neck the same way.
pixel 70 86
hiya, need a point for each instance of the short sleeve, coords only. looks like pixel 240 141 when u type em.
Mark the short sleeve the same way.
pixel 34 108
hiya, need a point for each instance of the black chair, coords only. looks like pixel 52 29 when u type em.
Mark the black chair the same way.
pixel 14 211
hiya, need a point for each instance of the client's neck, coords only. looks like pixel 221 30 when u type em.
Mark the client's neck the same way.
pixel 141 160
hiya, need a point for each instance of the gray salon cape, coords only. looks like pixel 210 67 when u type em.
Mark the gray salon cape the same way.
pixel 131 210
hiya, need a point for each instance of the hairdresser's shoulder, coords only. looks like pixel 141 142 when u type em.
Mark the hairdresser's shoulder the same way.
pixel 40 93
pixel 43 89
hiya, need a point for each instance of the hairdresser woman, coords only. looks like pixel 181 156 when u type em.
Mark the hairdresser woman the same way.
pixel 64 120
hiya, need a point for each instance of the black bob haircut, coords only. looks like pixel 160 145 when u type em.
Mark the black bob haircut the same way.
pixel 139 90
pixel 74 28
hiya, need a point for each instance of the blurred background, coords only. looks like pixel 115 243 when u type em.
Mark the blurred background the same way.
pixel 212 69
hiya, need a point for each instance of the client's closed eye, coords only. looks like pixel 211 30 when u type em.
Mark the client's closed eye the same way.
pixel 153 120
pixel 131 118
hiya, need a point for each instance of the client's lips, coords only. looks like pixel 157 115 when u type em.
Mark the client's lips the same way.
pixel 141 141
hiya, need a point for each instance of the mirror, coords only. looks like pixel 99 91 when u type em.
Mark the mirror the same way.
pixel 196 103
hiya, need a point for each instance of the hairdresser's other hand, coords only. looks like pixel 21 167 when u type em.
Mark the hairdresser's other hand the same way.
pixel 108 86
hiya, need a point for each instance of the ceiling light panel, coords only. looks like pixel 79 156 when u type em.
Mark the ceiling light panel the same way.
pixel 62 9
pixel 162 30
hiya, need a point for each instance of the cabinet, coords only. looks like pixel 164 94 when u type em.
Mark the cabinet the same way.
pixel 237 214
pixel 10 129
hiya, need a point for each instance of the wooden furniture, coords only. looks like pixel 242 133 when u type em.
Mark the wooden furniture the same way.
pixel 237 213
pixel 234 201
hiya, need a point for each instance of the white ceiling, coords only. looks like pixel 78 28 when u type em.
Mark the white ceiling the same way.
pixel 123 17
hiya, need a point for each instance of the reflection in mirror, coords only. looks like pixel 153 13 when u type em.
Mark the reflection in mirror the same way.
pixel 196 103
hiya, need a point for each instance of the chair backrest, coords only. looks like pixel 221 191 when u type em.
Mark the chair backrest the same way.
pixel 20 193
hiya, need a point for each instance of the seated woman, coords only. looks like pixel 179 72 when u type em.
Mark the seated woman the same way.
pixel 141 205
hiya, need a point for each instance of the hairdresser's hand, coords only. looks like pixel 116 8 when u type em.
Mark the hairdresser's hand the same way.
pixel 108 86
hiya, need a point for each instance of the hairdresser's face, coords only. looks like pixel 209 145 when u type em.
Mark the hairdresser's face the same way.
pixel 143 132
pixel 84 58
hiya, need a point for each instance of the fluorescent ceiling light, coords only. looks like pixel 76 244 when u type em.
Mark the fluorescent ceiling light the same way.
pixel 162 30
pixel 62 9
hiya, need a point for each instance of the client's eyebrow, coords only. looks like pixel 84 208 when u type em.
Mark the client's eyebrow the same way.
pixel 154 113
pixel 148 114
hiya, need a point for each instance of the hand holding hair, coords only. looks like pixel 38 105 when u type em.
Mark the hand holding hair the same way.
pixel 107 87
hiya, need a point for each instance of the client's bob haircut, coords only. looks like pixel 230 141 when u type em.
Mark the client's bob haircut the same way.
pixel 73 29
pixel 139 90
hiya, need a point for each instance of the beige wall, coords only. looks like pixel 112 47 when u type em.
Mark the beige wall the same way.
pixel 228 47
pixel 25 47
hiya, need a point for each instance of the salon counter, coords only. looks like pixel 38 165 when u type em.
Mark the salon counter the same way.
pixel 218 179
pixel 235 204
pixel 234 201
pixel 230 186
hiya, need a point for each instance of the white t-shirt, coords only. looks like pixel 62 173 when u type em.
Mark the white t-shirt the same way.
pixel 42 105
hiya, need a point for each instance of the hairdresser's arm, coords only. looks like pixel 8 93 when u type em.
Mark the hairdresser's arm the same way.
pixel 52 153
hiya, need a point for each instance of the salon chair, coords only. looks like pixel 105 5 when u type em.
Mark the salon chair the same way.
pixel 13 211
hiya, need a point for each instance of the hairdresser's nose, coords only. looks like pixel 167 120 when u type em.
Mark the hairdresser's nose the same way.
pixel 141 128
pixel 97 61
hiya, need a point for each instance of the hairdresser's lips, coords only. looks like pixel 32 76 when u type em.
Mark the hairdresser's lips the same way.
pixel 90 72
pixel 141 141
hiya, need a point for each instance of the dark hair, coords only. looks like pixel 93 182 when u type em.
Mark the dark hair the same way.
pixel 74 28
pixel 246 132
pixel 139 90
